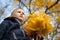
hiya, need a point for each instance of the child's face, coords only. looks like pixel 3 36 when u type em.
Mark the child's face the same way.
pixel 19 13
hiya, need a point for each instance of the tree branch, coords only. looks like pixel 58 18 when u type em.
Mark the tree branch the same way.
pixel 30 6
pixel 23 4
pixel 52 5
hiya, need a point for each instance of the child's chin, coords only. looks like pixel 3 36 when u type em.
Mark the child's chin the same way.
pixel 21 19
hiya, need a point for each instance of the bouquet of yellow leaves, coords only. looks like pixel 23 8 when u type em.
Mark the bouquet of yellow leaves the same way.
pixel 39 22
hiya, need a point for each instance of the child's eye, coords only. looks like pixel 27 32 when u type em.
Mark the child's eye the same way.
pixel 22 13
pixel 19 12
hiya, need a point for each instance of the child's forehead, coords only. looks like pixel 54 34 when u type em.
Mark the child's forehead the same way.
pixel 19 10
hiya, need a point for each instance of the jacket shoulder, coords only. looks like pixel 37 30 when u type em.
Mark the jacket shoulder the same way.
pixel 10 23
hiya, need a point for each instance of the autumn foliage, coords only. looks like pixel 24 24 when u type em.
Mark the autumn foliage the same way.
pixel 39 22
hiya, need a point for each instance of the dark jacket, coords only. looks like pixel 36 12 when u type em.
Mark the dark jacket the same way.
pixel 10 25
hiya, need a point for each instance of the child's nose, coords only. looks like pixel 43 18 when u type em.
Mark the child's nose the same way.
pixel 21 14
